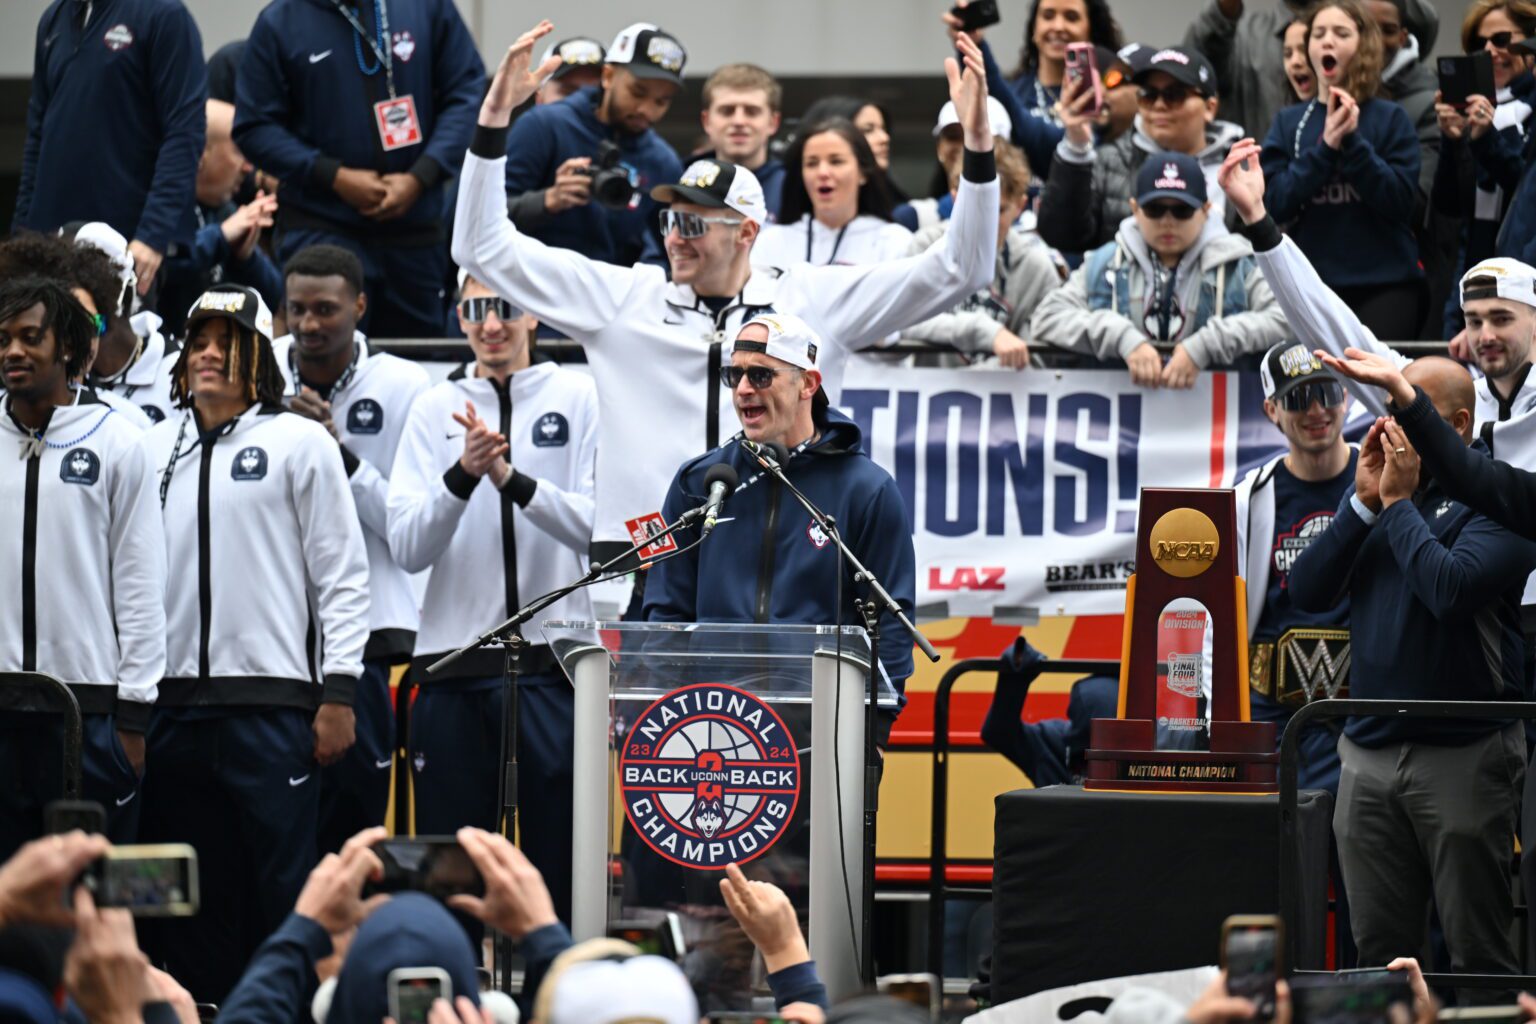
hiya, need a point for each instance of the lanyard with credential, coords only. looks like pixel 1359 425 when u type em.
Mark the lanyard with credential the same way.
pixel 379 46
pixel 810 233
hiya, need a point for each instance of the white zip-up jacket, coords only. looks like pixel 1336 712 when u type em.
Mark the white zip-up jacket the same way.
pixel 1320 319
pixel 83 560
pixel 258 520
pixel 147 383
pixel 370 413
pixel 492 552
pixel 654 347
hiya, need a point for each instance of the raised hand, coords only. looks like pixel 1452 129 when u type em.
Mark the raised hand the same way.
pixel 1368 467
pixel 1370 368
pixel 516 899
pixel 968 90
pixel 768 918
pixel 514 82
pixel 1242 180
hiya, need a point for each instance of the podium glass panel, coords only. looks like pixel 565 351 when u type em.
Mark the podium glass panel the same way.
pixel 699 745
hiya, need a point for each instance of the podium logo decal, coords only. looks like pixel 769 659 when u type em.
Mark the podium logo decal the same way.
pixel 709 776
pixel 1184 542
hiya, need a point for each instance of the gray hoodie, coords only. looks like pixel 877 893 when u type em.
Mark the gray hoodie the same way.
pixel 1075 317
pixel 1027 271
pixel 1086 196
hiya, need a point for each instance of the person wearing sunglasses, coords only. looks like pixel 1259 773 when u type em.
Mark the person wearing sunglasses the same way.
pixel 333 376
pixel 1483 143
pixel 773 379
pixel 1089 191
pixel 655 346
pixel 1283 506
pixel 1173 274
pixel 492 490
pixel 83 560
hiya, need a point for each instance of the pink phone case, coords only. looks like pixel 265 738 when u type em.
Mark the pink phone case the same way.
pixel 1081 61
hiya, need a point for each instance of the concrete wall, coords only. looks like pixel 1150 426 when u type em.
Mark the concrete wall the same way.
pixel 790 37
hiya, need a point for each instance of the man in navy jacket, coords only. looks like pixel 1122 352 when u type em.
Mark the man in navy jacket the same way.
pixel 123 78
pixel 1426 807
pixel 555 147
pixel 769 562
pixel 363 110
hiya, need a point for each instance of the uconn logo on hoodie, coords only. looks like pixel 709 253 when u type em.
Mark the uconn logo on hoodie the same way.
pixel 250 464
pixel 709 775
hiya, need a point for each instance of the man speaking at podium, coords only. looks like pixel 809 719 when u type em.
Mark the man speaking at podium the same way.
pixel 768 561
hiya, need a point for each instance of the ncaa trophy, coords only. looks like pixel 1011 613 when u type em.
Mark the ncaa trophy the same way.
pixel 1185 652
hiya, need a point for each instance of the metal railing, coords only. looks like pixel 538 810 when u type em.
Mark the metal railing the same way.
pixel 938 888
pixel 565 350
pixel 1290 850
pixel 34 692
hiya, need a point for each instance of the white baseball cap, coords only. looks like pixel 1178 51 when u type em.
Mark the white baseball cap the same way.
pixel 790 339
pixel 718 183
pixel 1512 280
pixel 110 241
pixel 1002 124
pixel 642 988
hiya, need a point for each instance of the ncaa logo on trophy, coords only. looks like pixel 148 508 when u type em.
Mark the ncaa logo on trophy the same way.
pixel 709 776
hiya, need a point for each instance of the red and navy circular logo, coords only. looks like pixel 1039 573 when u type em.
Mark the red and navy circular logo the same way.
pixel 709 776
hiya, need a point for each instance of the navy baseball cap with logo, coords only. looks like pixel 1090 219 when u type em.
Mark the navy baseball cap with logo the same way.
pixel 647 51
pixel 1289 365
pixel 1171 176
pixel 243 305
pixel 576 53
pixel 1181 64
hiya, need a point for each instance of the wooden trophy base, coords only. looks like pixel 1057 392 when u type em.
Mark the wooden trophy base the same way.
pixel 1121 756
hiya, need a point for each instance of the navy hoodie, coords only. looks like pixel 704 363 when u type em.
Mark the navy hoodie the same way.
pixel 546 136
pixel 305 108
pixel 768 563
pixel 1350 209
pixel 116 120
pixel 1434 591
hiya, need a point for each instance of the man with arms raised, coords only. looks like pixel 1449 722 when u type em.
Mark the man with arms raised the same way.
pixel 656 347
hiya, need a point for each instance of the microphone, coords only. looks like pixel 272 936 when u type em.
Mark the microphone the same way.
pixel 722 480
pixel 771 455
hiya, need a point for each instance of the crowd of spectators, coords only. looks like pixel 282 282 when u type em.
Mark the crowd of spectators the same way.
pixel 1163 206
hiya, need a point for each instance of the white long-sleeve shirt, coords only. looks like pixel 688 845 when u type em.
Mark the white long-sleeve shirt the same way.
pixel 82 559
pixel 654 347
pixel 492 552
pixel 369 411
pixel 266 556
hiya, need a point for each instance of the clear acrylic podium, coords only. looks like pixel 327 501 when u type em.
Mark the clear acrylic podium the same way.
pixel 701 744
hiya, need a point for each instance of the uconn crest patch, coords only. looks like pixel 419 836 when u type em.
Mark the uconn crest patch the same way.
pixel 154 413
pixel 80 466
pixel 551 431
pixel 365 417
pixel 249 464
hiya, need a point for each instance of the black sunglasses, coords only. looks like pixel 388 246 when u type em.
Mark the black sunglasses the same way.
pixel 1327 393
pixel 476 310
pixel 760 377
pixel 1500 41
pixel 1173 95
pixel 1157 211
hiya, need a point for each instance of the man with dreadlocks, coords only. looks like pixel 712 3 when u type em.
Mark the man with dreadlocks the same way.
pixel 258 517
pixel 76 488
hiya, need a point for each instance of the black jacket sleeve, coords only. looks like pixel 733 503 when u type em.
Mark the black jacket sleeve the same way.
pixel 1495 489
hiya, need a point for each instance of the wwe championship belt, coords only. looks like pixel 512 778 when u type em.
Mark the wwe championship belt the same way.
pixel 1302 666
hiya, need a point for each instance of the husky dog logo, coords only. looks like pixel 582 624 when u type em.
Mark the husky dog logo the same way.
pixel 405 45
pixel 818 535
pixel 80 466
pixel 250 464
pixel 1184 671
pixel 709 775
pixel 551 431
pixel 365 417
